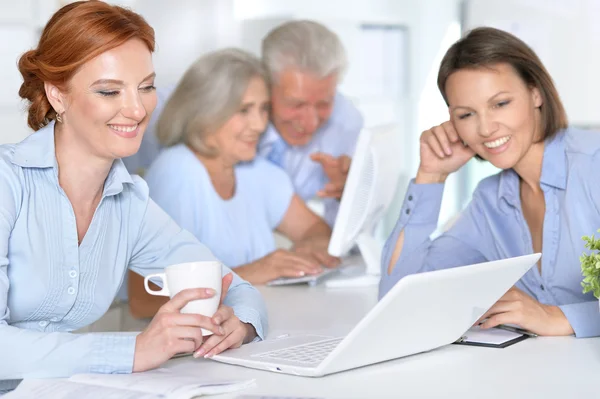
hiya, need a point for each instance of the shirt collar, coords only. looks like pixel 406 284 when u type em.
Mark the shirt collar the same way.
pixel 38 151
pixel 117 178
pixel 554 171
pixel 554 164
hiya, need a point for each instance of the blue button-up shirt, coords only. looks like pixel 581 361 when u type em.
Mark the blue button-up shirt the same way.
pixel 50 285
pixel 337 137
pixel 493 227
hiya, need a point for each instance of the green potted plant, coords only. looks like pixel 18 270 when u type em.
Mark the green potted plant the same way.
pixel 590 266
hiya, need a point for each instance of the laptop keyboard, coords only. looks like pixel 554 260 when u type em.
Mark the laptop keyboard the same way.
pixel 312 353
pixel 311 279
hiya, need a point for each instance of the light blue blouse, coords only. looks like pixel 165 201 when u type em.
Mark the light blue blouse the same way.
pixel 238 230
pixel 50 285
pixel 493 227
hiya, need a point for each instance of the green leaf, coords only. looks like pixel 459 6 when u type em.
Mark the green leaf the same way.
pixel 590 265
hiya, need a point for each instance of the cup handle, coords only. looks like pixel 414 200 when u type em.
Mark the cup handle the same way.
pixel 163 292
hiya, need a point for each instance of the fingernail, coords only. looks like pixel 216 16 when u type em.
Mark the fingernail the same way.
pixel 209 355
pixel 210 291
pixel 448 151
pixel 199 353
pixel 300 274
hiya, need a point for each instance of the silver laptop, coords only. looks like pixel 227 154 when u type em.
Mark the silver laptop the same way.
pixel 421 312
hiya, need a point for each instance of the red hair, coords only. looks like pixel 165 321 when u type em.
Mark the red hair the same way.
pixel 74 35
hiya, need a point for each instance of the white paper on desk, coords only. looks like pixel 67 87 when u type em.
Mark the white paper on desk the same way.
pixel 164 382
pixel 494 336
pixel 64 389
pixel 155 384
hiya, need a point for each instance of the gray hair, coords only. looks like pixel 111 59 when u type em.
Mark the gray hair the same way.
pixel 305 45
pixel 208 95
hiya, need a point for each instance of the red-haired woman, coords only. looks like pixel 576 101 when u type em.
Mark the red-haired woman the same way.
pixel 72 220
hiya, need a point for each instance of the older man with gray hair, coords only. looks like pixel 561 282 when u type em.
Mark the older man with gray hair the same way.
pixel 313 129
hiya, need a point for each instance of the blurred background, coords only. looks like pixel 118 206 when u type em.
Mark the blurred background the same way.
pixel 394 49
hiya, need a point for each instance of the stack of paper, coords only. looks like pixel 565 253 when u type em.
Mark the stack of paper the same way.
pixel 153 384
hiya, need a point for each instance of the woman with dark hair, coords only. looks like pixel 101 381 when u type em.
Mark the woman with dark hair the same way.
pixel 504 109
pixel 72 219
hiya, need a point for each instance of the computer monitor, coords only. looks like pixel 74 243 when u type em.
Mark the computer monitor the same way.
pixel 373 178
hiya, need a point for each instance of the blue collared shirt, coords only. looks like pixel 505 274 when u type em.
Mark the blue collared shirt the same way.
pixel 493 227
pixel 50 285
pixel 336 137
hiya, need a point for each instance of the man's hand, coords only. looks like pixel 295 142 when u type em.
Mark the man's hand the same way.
pixel 336 170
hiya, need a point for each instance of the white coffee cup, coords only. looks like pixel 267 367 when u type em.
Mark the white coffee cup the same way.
pixel 182 276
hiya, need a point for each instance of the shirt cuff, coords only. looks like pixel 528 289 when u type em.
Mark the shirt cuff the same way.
pixel 584 318
pixel 421 206
pixel 420 210
pixel 422 203
pixel 113 353
pixel 249 315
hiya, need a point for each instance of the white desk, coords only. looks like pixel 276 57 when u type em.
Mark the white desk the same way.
pixel 547 368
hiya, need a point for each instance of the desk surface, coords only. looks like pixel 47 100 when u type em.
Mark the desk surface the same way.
pixel 542 367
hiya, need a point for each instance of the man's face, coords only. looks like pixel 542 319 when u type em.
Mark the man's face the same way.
pixel 301 103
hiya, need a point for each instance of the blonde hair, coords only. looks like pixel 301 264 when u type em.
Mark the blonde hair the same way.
pixel 207 96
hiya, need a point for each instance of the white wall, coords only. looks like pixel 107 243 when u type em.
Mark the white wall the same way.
pixel 18 33
pixel 565 35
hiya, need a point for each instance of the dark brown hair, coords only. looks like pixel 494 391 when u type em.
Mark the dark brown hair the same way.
pixel 485 47
pixel 74 35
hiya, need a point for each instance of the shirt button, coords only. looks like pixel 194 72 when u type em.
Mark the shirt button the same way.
pixel 407 211
pixel 410 197
pixel 54 319
pixel 71 290
pixel 43 323
pixel 542 287
pixel 72 274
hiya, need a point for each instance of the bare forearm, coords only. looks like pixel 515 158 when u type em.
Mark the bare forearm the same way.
pixel 317 230
pixel 396 253
pixel 245 271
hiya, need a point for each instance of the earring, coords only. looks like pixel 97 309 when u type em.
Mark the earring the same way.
pixel 58 118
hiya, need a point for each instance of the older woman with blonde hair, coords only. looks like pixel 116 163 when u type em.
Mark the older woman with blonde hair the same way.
pixel 211 182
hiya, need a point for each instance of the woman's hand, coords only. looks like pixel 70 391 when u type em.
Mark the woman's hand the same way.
pixel 232 332
pixel 516 307
pixel 316 248
pixel 442 153
pixel 171 332
pixel 279 263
